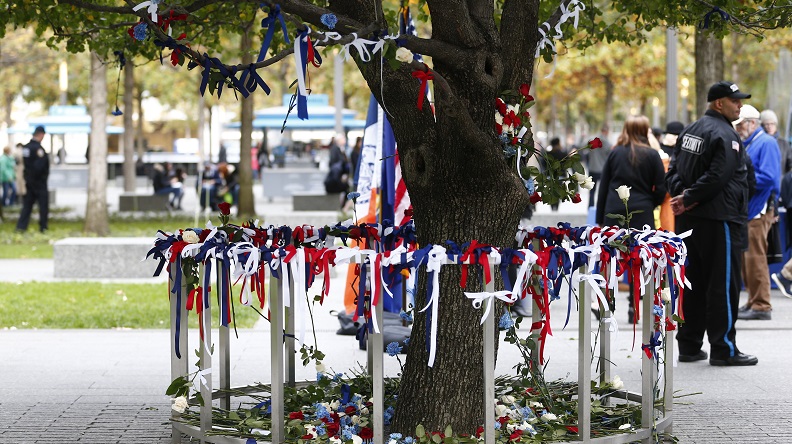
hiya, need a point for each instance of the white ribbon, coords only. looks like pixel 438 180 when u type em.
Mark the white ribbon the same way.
pixel 479 298
pixel 200 379
pixel 298 62
pixel 152 8
pixel 435 260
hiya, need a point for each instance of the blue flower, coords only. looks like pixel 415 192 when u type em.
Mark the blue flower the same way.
pixel 526 413
pixel 320 376
pixel 329 20
pixel 321 411
pixel 353 196
pixel 497 425
pixel 505 322
pixel 337 377
pixel 346 433
pixel 320 430
pixel 406 341
pixel 529 185
pixel 393 349
pixel 409 440
pixel 117 112
pixel 388 416
pixel 140 31
pixel 658 310
pixel 406 316
pixel 346 420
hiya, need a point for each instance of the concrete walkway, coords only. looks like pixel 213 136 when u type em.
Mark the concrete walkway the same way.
pixel 107 386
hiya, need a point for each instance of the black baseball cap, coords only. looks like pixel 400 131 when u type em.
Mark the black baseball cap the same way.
pixel 725 89
pixel 674 128
pixel 39 129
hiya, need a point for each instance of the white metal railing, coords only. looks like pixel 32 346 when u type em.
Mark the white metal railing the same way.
pixel 282 319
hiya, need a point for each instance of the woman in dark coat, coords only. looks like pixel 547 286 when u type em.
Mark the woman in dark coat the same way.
pixel 632 162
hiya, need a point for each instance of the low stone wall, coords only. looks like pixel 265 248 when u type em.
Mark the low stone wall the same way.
pixel 103 257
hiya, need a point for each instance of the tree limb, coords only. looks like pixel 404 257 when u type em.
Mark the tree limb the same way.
pixel 451 22
pixel 445 52
pixel 519 37
pixel 99 8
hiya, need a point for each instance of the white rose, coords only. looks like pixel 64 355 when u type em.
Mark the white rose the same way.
pixel 320 368
pixel 507 399
pixel 364 411
pixel 498 118
pixel 357 440
pixel 500 410
pixel 588 183
pixel 511 427
pixel 179 404
pixel 334 405
pixel 547 417
pixel 335 440
pixel 404 55
pixel 534 404
pixel 310 429
pixel 355 419
pixel 624 192
pixel 190 237
pixel 617 383
pixel 579 178
pixel 666 295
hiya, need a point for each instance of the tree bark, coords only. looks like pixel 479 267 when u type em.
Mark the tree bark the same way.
pixel 129 127
pixel 96 219
pixel 247 204
pixel 709 66
pixel 609 87
pixel 140 137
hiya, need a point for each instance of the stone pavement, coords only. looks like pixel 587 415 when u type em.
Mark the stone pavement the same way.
pixel 107 386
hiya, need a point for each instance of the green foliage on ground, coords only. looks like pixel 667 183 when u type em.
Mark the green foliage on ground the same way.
pixel 34 245
pixel 76 304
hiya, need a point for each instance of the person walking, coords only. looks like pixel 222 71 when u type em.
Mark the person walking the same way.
pixel 595 161
pixel 8 177
pixel 37 164
pixel 766 159
pixel 634 164
pixel 708 179
pixel 769 121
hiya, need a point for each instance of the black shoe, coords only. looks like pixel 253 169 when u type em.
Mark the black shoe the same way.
pixel 631 316
pixel 784 284
pixel 745 307
pixel 754 315
pixel 700 356
pixel 740 359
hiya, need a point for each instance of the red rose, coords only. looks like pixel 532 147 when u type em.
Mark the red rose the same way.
pixel 498 129
pixel 500 105
pixel 225 208
pixel 307 437
pixel 203 235
pixel 515 140
pixel 576 198
pixel 516 435
pixel 572 429
pixel 296 415
pixel 332 428
pixel 595 143
pixel 535 197
pixel 529 98
pixel 354 233
pixel 525 89
pixel 350 410
pixel 503 420
pixel 408 212
pixel 479 431
pixel 366 433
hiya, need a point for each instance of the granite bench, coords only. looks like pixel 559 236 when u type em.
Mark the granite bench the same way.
pixel 142 202
pixel 308 201
pixel 103 257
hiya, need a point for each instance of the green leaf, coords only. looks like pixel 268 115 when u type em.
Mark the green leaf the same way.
pixel 448 431
pixel 177 383
pixel 676 318
pixel 419 430
pixel 437 439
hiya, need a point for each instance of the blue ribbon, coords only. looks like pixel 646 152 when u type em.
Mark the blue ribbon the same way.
pixel 346 392
pixel 250 79
pixel 269 22
pixel 177 291
pixel 213 62
pixel 302 101
pixel 654 342
pixel 715 10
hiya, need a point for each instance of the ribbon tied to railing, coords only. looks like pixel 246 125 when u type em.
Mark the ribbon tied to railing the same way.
pixel 479 298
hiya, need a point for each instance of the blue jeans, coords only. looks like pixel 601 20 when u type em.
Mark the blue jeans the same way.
pixel 9 193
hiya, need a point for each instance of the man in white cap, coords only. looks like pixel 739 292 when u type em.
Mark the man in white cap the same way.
pixel 769 121
pixel 766 158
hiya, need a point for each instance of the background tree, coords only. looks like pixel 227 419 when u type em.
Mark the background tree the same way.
pixel 461 185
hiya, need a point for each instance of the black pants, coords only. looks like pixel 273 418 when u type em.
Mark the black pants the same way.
pixel 714 261
pixel 35 193
pixel 595 177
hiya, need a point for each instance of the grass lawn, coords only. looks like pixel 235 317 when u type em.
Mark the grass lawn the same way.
pixel 94 305
pixel 35 245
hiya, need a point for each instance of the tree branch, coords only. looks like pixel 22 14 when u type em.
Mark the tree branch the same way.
pixel 99 8
pixel 519 37
pixel 445 52
pixel 451 22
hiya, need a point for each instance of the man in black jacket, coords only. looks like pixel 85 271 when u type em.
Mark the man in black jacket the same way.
pixel 36 162
pixel 708 179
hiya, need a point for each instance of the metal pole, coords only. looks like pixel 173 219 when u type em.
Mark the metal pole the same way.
pixel 290 340
pixel 584 363
pixel 225 353
pixel 489 368
pixel 276 358
pixel 648 369
pixel 378 375
pixel 338 93
pixel 179 366
pixel 671 75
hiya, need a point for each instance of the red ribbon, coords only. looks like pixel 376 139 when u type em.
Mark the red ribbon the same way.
pixel 424 77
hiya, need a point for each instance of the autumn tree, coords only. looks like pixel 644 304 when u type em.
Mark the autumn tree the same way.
pixel 461 185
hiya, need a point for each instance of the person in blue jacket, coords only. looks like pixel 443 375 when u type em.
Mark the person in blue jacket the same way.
pixel 765 155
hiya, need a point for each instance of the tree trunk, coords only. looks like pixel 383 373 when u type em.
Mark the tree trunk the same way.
pixel 461 189
pixel 129 127
pixel 8 106
pixel 609 87
pixel 96 220
pixel 709 66
pixel 247 204
pixel 140 142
